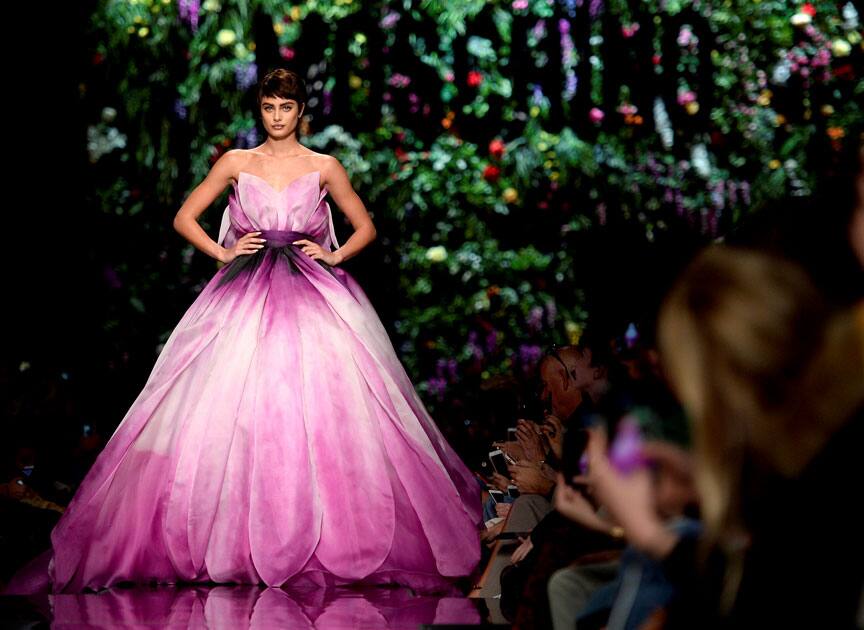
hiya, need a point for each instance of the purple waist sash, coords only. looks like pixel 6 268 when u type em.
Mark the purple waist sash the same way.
pixel 283 238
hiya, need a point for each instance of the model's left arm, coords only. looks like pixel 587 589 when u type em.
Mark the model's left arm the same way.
pixel 334 176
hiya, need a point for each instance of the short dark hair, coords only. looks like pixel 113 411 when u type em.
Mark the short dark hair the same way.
pixel 282 83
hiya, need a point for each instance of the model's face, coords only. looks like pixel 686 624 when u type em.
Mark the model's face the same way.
pixel 280 116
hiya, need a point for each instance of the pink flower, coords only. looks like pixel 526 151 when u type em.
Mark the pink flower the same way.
pixel 630 30
pixel 596 115
pixel 286 52
pixel 687 96
pixel 520 5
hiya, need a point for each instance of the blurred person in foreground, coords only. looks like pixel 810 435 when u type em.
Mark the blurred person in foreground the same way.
pixel 773 380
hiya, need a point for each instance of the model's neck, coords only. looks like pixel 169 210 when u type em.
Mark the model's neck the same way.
pixel 282 148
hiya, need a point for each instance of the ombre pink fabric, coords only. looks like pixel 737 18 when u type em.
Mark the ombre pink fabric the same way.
pixel 278 439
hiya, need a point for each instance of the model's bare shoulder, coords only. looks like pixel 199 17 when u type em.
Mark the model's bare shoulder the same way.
pixel 230 163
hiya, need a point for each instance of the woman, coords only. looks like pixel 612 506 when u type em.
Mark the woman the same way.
pixel 278 438
pixel 774 383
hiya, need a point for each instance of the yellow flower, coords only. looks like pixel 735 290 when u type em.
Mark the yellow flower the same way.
pixel 278 28
pixel 295 13
pixel 211 5
pixel 438 253
pixel 130 30
pixel 574 331
pixel 226 37
pixel 779 119
pixel 554 176
pixel 692 107
pixel 354 81
pixel 854 37
pixel 827 110
pixel 142 32
pixel 764 98
pixel 835 133
pixel 534 111
pixel 774 164
pixel 841 48
pixel 510 195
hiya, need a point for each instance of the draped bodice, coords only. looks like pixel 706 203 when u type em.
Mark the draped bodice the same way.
pixel 253 204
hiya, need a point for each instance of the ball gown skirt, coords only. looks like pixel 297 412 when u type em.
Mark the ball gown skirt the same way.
pixel 278 438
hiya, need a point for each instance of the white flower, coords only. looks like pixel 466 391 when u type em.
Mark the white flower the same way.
pixel 226 37
pixel 850 16
pixel 211 5
pixel 801 19
pixel 109 114
pixel 662 123
pixel 699 159
pixel 782 72
pixel 437 253
pixel 841 48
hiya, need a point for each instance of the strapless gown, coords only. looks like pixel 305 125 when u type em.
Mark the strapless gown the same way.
pixel 278 438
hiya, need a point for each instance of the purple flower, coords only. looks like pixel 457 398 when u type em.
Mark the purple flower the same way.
pixel 529 355
pixel 537 95
pixel 246 75
pixel 535 319
pixel 399 80
pixel 491 340
pixel 595 8
pixel 551 312
pixel 389 20
pixel 437 386
pixel 247 138
pixel 180 109
pixel 189 10
pixel 538 31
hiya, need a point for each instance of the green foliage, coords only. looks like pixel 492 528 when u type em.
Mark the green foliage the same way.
pixel 731 121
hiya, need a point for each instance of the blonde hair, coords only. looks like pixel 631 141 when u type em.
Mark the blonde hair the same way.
pixel 764 370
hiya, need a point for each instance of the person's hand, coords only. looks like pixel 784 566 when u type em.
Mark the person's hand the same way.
pixel 573 504
pixel 522 550
pixel 316 252
pixel 553 430
pixel 500 481
pixel 15 489
pixel 512 448
pixel 529 437
pixel 627 498
pixel 529 479
pixel 502 509
pixel 247 244
pixel 491 532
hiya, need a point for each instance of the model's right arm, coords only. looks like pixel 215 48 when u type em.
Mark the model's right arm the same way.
pixel 186 220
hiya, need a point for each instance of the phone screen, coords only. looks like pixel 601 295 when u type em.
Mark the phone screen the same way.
pixel 499 463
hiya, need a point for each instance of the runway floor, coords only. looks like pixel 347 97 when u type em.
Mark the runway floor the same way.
pixel 239 607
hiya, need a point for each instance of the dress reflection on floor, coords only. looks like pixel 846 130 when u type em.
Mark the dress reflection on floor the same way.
pixel 239 607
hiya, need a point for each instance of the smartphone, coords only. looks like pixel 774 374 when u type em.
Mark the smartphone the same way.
pixel 508 458
pixel 513 491
pixel 626 451
pixel 496 495
pixel 499 462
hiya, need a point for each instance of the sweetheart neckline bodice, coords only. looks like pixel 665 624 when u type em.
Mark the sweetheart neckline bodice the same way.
pixel 286 187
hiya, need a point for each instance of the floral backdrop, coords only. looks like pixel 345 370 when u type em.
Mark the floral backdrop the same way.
pixel 483 136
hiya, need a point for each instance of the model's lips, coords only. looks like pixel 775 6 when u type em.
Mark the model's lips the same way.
pixel 278 126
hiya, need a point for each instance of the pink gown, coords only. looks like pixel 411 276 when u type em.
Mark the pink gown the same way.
pixel 278 438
